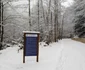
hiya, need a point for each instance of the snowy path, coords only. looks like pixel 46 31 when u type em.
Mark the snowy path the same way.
pixel 64 55
pixel 73 56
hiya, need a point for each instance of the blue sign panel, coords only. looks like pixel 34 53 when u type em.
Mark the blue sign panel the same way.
pixel 31 45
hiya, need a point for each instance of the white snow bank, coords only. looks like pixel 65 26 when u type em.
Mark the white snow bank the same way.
pixel 64 55
pixel 31 32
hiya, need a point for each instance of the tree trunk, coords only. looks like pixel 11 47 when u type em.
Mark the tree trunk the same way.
pixel 56 21
pixel 38 16
pixel 29 17
pixel 1 20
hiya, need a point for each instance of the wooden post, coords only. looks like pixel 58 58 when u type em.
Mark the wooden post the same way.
pixel 37 60
pixel 24 49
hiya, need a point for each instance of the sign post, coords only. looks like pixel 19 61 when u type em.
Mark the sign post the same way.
pixel 31 44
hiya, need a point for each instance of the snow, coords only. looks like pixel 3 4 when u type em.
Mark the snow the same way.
pixel 31 32
pixel 64 55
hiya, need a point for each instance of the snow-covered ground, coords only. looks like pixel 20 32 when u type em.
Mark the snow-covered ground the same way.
pixel 64 55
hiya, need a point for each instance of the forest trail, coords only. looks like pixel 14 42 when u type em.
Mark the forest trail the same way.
pixel 64 55
pixel 73 56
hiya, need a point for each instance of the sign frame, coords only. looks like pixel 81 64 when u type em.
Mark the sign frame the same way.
pixel 38 37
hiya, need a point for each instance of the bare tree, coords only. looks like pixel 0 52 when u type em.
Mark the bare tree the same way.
pixel 38 16
pixel 56 24
pixel 43 11
pixel 47 19
pixel 1 24
pixel 29 17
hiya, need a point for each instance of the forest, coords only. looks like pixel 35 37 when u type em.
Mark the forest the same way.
pixel 54 19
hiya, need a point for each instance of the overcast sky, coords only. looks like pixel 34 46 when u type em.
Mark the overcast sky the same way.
pixel 68 3
pixel 33 2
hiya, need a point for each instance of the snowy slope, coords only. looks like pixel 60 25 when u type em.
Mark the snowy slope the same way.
pixel 64 55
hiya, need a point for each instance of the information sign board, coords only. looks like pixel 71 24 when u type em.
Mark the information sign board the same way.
pixel 31 45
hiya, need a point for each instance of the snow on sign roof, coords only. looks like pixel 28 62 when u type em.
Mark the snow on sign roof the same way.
pixel 31 32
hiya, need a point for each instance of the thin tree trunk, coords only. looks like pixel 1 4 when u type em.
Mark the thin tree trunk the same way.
pixel 48 13
pixel 38 16
pixel 0 18
pixel 62 26
pixel 56 21
pixel 48 27
pixel 1 24
pixel 43 13
pixel 51 28
pixel 29 17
